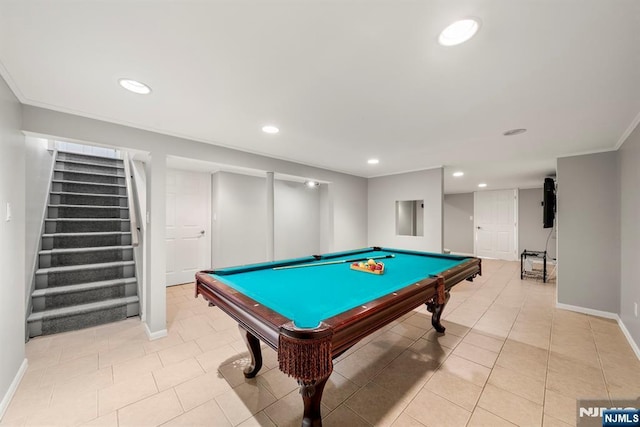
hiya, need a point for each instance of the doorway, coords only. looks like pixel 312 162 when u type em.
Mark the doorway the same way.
pixel 495 225
pixel 188 230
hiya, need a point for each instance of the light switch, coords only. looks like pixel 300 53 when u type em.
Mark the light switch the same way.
pixel 8 217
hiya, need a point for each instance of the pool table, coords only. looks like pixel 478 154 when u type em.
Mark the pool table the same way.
pixel 312 309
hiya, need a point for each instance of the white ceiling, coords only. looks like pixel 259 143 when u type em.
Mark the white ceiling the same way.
pixel 344 80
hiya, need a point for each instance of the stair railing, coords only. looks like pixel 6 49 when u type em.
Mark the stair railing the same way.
pixel 136 228
pixel 133 213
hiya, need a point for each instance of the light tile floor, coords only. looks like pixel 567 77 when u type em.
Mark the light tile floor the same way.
pixel 508 358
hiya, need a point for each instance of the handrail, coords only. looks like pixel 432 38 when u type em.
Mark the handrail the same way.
pixel 133 213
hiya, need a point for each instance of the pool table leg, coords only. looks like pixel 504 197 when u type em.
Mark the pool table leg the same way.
pixel 437 310
pixel 253 344
pixel 311 392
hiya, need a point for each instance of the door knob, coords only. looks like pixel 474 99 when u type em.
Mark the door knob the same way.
pixel 479 228
pixel 202 232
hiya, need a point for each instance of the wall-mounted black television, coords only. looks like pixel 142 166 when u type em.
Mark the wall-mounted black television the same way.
pixel 549 203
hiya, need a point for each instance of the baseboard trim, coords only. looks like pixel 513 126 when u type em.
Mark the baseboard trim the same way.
pixel 607 315
pixel 155 335
pixel 590 311
pixel 626 333
pixel 6 400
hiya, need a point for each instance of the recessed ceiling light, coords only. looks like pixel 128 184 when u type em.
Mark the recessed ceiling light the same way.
pixel 482 185
pixel 270 129
pixel 514 132
pixel 459 32
pixel 456 174
pixel 373 161
pixel 135 86
pixel 311 184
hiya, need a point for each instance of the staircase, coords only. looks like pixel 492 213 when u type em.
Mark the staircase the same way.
pixel 86 270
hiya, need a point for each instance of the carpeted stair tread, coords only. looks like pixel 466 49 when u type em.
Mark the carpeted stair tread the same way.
pixel 82 287
pixel 90 206
pixel 88 225
pixel 87 219
pixel 91 156
pixel 88 233
pixel 65 211
pixel 68 193
pixel 85 239
pixel 68 181
pixel 74 250
pixel 80 309
pixel 99 165
pixel 83 267
pixel 89 167
pixel 110 175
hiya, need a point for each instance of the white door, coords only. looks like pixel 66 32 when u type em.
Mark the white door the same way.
pixel 496 228
pixel 188 239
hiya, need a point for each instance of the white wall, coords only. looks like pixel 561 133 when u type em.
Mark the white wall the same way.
pixel 155 294
pixel 588 223
pixel 348 197
pixel 296 220
pixel 37 179
pixel 12 246
pixel 326 219
pixel 383 192
pixel 629 159
pixel 239 219
pixel 458 223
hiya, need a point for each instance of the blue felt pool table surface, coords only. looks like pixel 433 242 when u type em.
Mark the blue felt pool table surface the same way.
pixel 309 295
